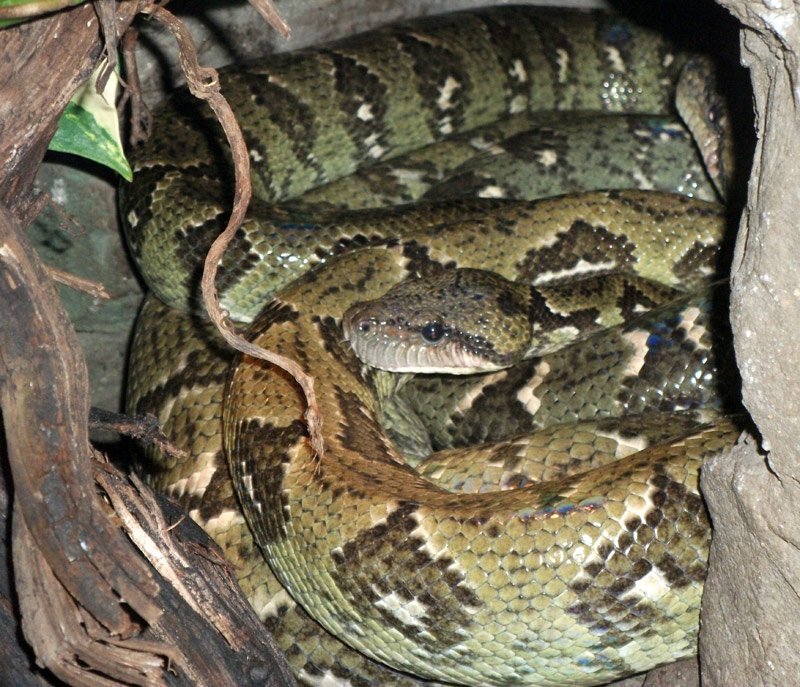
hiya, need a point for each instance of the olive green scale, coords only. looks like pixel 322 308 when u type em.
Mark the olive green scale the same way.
pixel 366 571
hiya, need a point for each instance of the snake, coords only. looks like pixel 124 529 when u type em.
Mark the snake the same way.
pixel 584 562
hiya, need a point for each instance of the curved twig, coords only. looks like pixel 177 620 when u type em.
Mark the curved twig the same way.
pixel 267 9
pixel 204 84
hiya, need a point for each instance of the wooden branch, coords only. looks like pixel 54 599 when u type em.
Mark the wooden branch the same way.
pixel 48 59
pixel 43 74
pixel 267 9
pixel 211 635
pixel 82 584
pixel 203 83
pixel 214 635
pixel 141 120
pixel 14 654
pixel 93 288
pixel 144 428
pixel 91 606
pixel 44 399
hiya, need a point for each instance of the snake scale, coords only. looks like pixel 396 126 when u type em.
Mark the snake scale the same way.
pixel 570 556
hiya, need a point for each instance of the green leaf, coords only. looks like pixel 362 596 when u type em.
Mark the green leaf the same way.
pixel 89 126
pixel 30 9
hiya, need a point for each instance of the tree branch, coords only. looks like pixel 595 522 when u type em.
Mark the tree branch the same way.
pixel 91 606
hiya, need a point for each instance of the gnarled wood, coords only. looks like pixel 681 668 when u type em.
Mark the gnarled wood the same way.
pixel 92 608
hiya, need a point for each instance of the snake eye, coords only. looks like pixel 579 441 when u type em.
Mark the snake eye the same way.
pixel 433 332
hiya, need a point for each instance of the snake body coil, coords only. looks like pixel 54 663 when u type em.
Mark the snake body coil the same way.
pixel 572 571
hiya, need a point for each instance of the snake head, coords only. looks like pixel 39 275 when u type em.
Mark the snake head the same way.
pixel 459 321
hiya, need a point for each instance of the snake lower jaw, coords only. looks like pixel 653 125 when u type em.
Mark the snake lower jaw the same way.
pixel 386 348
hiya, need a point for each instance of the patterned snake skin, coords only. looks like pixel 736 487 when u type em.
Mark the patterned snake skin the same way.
pixel 574 555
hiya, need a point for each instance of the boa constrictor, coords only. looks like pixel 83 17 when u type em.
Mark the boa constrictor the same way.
pixel 569 571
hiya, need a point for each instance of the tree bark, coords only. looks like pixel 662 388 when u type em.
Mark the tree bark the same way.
pixel 95 611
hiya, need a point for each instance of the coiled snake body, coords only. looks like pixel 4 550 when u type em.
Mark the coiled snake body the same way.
pixel 569 571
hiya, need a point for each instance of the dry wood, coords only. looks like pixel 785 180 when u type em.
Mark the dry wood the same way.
pixel 141 120
pixel 92 607
pixel 203 83
pixel 93 288
pixel 143 428
pixel 267 9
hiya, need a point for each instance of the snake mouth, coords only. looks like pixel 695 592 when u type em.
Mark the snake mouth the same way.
pixel 387 345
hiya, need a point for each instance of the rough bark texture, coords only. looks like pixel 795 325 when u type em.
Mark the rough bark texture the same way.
pixel 15 656
pixel 43 78
pixel 751 604
pixel 105 592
